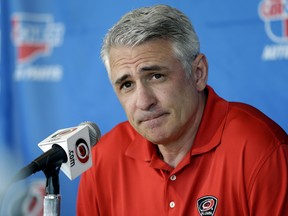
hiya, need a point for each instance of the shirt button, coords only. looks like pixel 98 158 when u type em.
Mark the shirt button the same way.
pixel 172 204
pixel 173 177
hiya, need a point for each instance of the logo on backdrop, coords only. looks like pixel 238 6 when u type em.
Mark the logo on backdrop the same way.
pixel 35 36
pixel 24 200
pixel 274 14
pixel 0 40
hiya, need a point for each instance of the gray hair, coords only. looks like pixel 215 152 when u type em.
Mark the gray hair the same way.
pixel 156 22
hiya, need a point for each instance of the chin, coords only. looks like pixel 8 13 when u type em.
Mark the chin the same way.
pixel 157 135
pixel 157 139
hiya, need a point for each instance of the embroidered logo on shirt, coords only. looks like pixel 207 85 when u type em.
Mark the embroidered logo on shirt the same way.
pixel 207 205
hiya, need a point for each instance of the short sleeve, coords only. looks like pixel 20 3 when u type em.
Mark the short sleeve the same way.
pixel 269 189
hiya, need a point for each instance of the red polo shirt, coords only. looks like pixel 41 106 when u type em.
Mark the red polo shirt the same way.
pixel 237 166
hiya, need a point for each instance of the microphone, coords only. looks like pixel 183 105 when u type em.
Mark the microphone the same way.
pixel 69 148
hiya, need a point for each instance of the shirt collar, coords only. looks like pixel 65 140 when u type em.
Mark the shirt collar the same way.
pixel 142 149
pixel 212 124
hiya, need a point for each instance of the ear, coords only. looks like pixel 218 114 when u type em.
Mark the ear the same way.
pixel 200 71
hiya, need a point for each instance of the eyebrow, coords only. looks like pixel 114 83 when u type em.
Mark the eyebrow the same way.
pixel 143 69
pixel 122 79
pixel 151 68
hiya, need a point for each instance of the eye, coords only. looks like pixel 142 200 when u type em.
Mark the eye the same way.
pixel 126 85
pixel 157 76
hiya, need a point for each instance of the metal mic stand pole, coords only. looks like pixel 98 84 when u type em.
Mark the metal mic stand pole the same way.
pixel 52 198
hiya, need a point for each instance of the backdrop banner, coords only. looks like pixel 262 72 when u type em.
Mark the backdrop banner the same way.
pixel 52 77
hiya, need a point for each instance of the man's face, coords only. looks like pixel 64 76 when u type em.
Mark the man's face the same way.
pixel 160 101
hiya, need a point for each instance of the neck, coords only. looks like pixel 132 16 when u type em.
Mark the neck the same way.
pixel 172 155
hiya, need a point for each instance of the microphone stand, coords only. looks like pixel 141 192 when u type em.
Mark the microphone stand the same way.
pixel 52 198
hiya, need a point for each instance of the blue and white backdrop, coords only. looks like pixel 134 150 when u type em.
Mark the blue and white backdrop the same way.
pixel 51 75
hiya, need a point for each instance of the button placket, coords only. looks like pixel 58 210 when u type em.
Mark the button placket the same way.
pixel 172 202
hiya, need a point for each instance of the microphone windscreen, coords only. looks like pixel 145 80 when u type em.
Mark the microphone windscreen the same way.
pixel 94 132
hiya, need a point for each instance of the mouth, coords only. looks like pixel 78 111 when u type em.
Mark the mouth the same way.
pixel 152 117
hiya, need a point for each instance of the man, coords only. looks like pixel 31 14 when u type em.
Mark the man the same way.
pixel 184 150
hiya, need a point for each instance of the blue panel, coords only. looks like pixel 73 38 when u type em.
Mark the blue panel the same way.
pixel 51 75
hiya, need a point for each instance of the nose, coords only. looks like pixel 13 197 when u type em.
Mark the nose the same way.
pixel 145 98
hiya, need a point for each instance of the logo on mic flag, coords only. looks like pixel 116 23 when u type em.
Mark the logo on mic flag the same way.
pixel 82 150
